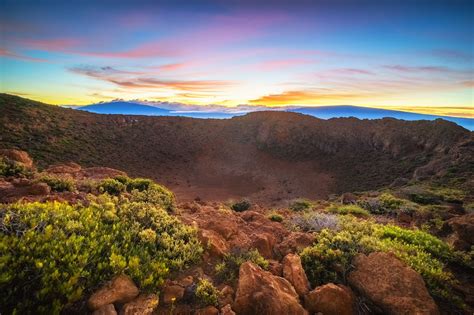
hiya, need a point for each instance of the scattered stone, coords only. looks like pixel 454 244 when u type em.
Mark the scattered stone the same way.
pixel 391 285
pixel 330 299
pixel 144 304
pixel 172 293
pixel 293 271
pixel 209 310
pixel 275 267
pixel 294 242
pixel 120 290
pixel 260 292
pixel 227 310
pixel 186 281
pixel 348 198
pixel 264 243
pixel 463 227
pixel 226 295
pixel 217 246
pixel 108 309
pixel 39 189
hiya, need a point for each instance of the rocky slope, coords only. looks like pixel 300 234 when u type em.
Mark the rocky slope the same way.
pixel 267 156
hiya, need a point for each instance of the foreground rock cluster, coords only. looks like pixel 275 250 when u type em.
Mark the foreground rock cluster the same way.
pixel 379 279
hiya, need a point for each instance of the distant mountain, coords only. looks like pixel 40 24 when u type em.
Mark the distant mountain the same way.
pixel 328 112
pixel 125 108
pixel 323 112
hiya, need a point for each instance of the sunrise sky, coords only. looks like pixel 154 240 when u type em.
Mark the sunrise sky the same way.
pixel 409 55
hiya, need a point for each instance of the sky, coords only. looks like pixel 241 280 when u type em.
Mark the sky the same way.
pixel 407 55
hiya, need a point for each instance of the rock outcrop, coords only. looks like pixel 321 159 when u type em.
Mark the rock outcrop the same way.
pixel 391 285
pixel 18 156
pixel 293 271
pixel 463 227
pixel 120 290
pixel 330 299
pixel 260 292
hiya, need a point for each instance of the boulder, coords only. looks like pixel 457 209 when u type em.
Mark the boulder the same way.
pixel 260 292
pixel 209 310
pixel 294 242
pixel 101 172
pixel 38 189
pixel 264 243
pixel 293 271
pixel 108 309
pixel 172 293
pixel 330 299
pixel 18 156
pixel 227 310
pixel 120 290
pixel 70 168
pixel 348 198
pixel 226 295
pixel 144 304
pixel 463 227
pixel 216 244
pixel 391 285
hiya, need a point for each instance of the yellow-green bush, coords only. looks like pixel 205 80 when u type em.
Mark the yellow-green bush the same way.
pixel 57 183
pixel 228 269
pixel 206 293
pixel 11 168
pixel 301 205
pixel 348 209
pixel 330 258
pixel 51 254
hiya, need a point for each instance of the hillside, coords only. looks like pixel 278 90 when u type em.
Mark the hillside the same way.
pixel 266 156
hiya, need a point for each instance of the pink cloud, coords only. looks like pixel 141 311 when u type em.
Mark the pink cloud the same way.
pixel 9 54
pixel 283 63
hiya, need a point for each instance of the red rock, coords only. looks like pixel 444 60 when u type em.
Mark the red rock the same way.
pixel 226 295
pixel 101 172
pixel 172 293
pixel 144 304
pixel 294 242
pixel 227 310
pixel 216 244
pixel 293 271
pixel 260 292
pixel 64 169
pixel 39 189
pixel 463 227
pixel 108 309
pixel 18 156
pixel 264 243
pixel 275 268
pixel 391 285
pixel 209 310
pixel 330 299
pixel 120 290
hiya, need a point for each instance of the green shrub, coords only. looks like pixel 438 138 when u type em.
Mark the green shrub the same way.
pixel 330 258
pixel 388 204
pixel 52 254
pixel 111 186
pixel 301 205
pixel 240 206
pixel 275 217
pixel 228 269
pixel 131 184
pixel 206 293
pixel 348 209
pixel 11 168
pixel 155 194
pixel 58 184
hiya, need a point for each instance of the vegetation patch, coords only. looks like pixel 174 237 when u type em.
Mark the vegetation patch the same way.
pixel 58 184
pixel 388 204
pixel 314 222
pixel 330 258
pixel 228 269
pixel 240 206
pixel 348 209
pixel 301 205
pixel 275 217
pixel 206 293
pixel 54 253
pixel 11 168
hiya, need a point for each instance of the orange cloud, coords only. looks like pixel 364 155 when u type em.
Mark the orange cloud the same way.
pixel 304 97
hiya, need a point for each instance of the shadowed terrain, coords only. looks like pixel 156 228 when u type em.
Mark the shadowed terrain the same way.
pixel 265 156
